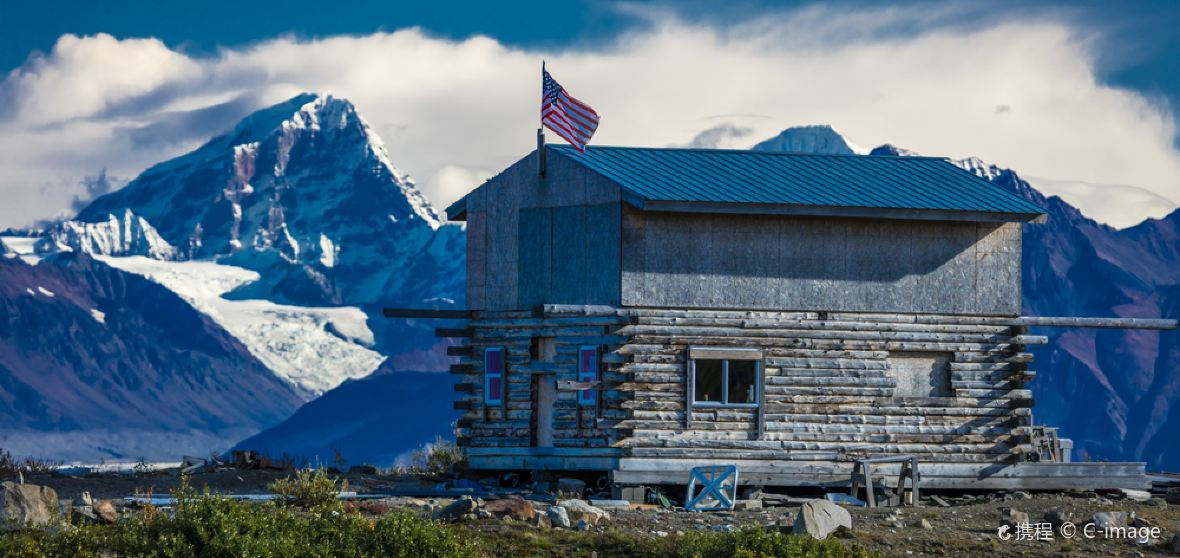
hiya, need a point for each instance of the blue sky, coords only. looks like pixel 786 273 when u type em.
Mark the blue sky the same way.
pixel 1080 95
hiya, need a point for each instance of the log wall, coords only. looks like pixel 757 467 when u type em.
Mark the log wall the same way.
pixel 828 392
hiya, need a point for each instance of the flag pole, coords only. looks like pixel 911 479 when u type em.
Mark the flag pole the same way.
pixel 541 128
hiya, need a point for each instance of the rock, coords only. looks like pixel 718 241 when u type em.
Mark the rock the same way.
pixel 483 514
pixel 1158 502
pixel 609 505
pixel 1021 495
pixel 747 505
pixel 925 524
pixel 570 488
pixel 819 518
pixel 1103 520
pixel 558 517
pixel 456 510
pixel 105 510
pixel 542 521
pixel 1012 517
pixel 727 528
pixel 579 510
pixel 582 525
pixel 1056 518
pixel 84 499
pixel 515 508
pixel 83 514
pixel 1173 495
pixel 941 503
pixel 1176 544
pixel 24 505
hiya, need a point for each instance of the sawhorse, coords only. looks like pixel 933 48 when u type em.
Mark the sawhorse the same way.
pixel 862 476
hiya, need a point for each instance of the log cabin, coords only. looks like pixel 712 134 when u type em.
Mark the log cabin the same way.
pixel 637 312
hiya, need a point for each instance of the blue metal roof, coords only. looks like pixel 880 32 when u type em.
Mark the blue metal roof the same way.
pixel 711 179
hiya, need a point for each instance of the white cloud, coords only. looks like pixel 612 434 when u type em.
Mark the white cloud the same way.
pixel 448 110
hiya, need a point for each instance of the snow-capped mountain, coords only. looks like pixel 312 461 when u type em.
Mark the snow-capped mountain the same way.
pixel 128 235
pixel 1116 393
pixel 304 193
pixel 820 139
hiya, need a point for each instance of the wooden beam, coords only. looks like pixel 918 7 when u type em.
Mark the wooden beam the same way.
pixel 426 313
pixel 452 332
pixel 1118 323
pixel 459 350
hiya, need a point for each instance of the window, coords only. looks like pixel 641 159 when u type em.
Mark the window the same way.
pixel 730 381
pixel 587 372
pixel 493 376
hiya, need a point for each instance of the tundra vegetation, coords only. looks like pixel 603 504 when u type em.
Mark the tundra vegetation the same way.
pixel 311 522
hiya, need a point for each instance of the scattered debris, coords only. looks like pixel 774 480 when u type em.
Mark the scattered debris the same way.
pixel 1136 495
pixel 820 518
pixel 190 465
pixel 941 503
pixel 1105 520
pixel 570 488
pixel 1012 517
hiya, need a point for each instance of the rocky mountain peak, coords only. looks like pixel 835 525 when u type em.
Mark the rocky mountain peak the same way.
pixel 819 139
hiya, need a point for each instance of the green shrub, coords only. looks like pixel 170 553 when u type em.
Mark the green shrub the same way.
pixel 215 526
pixel 310 488
pixel 438 457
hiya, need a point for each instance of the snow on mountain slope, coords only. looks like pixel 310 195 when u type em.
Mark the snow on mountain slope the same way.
pixel 23 247
pixel 820 140
pixel 314 349
pixel 304 193
pixel 127 235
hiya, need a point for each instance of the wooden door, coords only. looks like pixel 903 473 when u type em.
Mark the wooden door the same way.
pixel 544 397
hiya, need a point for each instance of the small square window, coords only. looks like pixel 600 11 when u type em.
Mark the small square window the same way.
pixel 725 382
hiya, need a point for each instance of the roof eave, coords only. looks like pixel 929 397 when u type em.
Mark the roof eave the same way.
pixel 907 214
pixel 457 211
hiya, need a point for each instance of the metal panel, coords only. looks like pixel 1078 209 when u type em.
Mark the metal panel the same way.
pixel 794 180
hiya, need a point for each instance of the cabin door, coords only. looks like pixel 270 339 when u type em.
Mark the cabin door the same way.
pixel 544 397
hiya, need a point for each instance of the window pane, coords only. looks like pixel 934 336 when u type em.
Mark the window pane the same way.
pixel 707 381
pixel 495 390
pixel 742 376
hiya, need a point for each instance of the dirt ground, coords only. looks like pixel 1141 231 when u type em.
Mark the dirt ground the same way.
pixel 966 528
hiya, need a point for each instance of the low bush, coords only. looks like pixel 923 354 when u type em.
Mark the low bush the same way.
pixel 436 458
pixel 209 525
pixel 309 488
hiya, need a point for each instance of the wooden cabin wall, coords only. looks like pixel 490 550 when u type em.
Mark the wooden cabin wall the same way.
pixel 828 390
pixel 532 241
pixel 806 263
pixel 510 425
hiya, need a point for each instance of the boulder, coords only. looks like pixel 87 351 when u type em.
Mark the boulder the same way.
pixel 1021 495
pixel 925 524
pixel 1103 520
pixel 558 517
pixel 580 510
pixel 456 510
pixel 542 521
pixel 747 505
pixel 515 508
pixel 26 505
pixel 820 518
pixel 105 510
pixel 1056 518
pixel 1176 544
pixel 582 525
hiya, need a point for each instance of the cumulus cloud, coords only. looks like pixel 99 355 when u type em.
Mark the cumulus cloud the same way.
pixel 452 111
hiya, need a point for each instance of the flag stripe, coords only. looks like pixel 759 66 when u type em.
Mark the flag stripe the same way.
pixel 569 118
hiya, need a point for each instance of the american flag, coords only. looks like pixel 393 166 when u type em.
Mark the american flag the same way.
pixel 568 117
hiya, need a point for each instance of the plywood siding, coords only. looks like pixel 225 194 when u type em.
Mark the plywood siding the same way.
pixel 553 240
pixel 801 263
